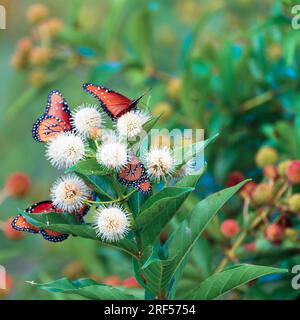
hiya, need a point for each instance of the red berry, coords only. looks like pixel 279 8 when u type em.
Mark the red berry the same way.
pixel 271 172
pixel 18 185
pixel 250 247
pixel 274 233
pixel 10 232
pixel 293 171
pixel 230 228
pixel 234 178
pixel 130 283
pixel 112 281
pixel 248 189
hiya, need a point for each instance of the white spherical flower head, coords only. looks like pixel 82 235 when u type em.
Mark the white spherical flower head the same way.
pixel 85 119
pixel 112 154
pixel 159 163
pixel 65 150
pixel 131 123
pixel 111 223
pixel 69 192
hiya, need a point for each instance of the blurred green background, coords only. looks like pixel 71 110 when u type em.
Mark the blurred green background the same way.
pixel 225 66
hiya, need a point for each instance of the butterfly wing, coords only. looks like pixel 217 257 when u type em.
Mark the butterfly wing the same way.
pixel 85 209
pixel 113 103
pixel 56 119
pixel 48 127
pixel 46 207
pixel 144 186
pixel 53 236
pixel 134 175
pixel 58 107
pixel 20 224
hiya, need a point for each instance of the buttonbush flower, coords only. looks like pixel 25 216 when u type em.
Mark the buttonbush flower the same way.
pixel 131 123
pixel 112 154
pixel 159 163
pixel 65 150
pixel 86 118
pixel 111 223
pixel 69 193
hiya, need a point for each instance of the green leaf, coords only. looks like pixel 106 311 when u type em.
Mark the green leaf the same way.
pixel 67 223
pixel 157 273
pixel 151 123
pixel 190 151
pixel 158 210
pixel 222 282
pixel 88 289
pixel 191 180
pixel 89 167
pixel 185 237
pixel 102 186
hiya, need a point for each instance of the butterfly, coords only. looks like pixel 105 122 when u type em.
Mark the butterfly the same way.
pixel 56 119
pixel 113 103
pixel 21 224
pixel 85 209
pixel 134 175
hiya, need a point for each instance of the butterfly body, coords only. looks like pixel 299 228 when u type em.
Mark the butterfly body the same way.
pixel 113 103
pixel 55 120
pixel 134 175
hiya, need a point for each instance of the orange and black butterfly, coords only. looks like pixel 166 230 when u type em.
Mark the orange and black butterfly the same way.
pixel 134 175
pixel 113 103
pixel 85 209
pixel 56 119
pixel 21 224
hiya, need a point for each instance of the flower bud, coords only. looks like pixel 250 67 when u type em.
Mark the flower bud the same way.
pixel 51 27
pixel 10 232
pixel 262 194
pixel 271 172
pixel 293 172
pixel 274 233
pixel 38 78
pixel 18 61
pixel 234 178
pixel 40 56
pixel 95 133
pixel 294 203
pixel 37 12
pixel 230 228
pixel 17 185
pixel 266 156
pixel 24 45
pixel 173 88
pixel 130 282
pixel 282 167
pixel 164 109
